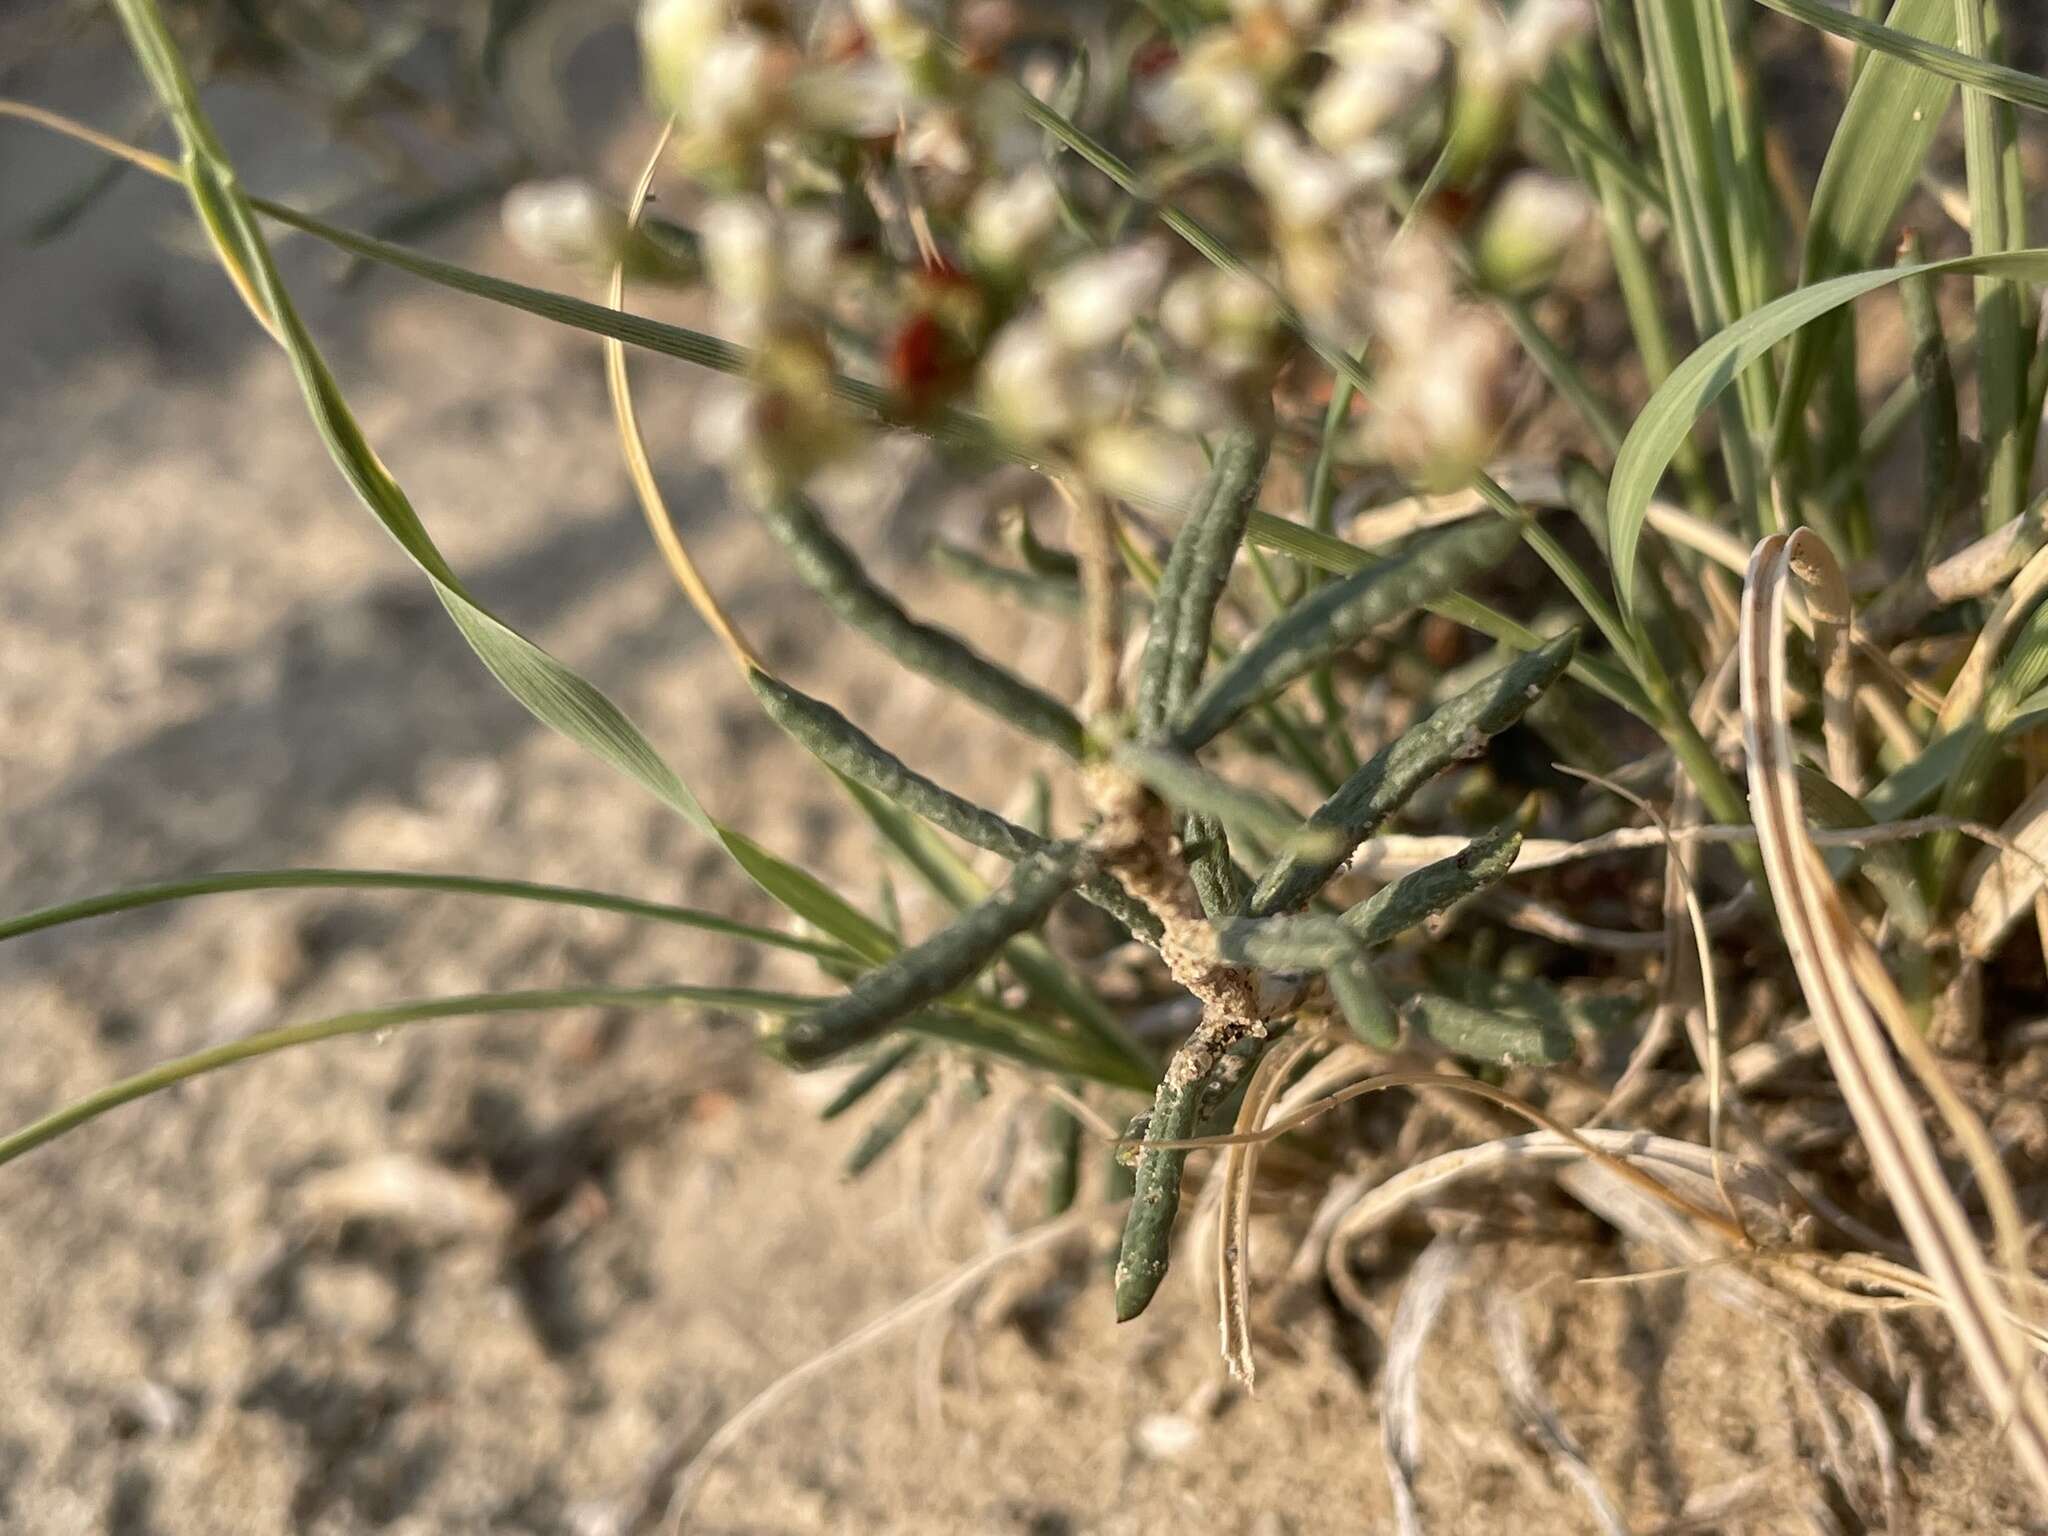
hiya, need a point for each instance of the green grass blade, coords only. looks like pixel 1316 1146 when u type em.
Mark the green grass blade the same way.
pixel 1570 125
pixel 1698 381
pixel 137 897
pixel 1887 127
pixel 888 1127
pixel 2007 84
pixel 1997 224
pixel 368 1021
pixel 809 898
pixel 1934 385
pixel 1693 96
pixel 555 695
pixel 869 1078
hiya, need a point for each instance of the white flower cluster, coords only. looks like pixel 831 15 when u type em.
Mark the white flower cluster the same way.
pixel 870 199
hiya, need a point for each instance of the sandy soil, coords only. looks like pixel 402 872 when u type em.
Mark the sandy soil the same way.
pixel 214 1317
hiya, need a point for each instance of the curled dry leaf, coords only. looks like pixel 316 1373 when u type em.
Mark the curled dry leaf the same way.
pixel 413 1194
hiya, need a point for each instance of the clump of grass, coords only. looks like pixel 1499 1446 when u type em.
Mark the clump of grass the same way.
pixel 1223 277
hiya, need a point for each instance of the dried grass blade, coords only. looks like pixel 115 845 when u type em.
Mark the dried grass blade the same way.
pixel 1233 1226
pixel 639 468
pixel 1422 1301
pixel 2003 885
pixel 1539 1417
pixel 1844 981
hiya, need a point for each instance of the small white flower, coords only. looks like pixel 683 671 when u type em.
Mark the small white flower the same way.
pixel 902 29
pixel 1302 186
pixel 674 36
pixel 1189 405
pixel 732 93
pixel 1228 318
pixel 1185 311
pixel 1532 223
pixel 1138 458
pixel 1026 384
pixel 763 262
pixel 939 142
pixel 1214 90
pixel 563 221
pixel 1093 302
pixel 860 98
pixel 1007 220
pixel 722 421
pixel 1438 411
pixel 1543 27
pixel 1384 66
pixel 739 249
pixel 1295 15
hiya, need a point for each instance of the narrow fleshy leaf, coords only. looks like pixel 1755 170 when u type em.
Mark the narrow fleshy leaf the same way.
pixel 1337 616
pixel 1362 804
pixel 949 959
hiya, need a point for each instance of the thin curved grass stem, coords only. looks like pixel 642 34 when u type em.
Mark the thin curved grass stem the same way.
pixel 229 881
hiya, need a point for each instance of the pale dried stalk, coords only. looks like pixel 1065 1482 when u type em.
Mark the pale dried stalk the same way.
pixel 1706 1040
pixel 1422 1301
pixel 1533 485
pixel 640 470
pixel 1093 531
pixel 1233 1222
pixel 1540 1418
pixel 1848 991
pixel 1394 854
pixel 1681 1162
pixel 1966 694
pixel 1546 921
pixel 1684 1205
pixel 1827 599
pixel 2003 885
